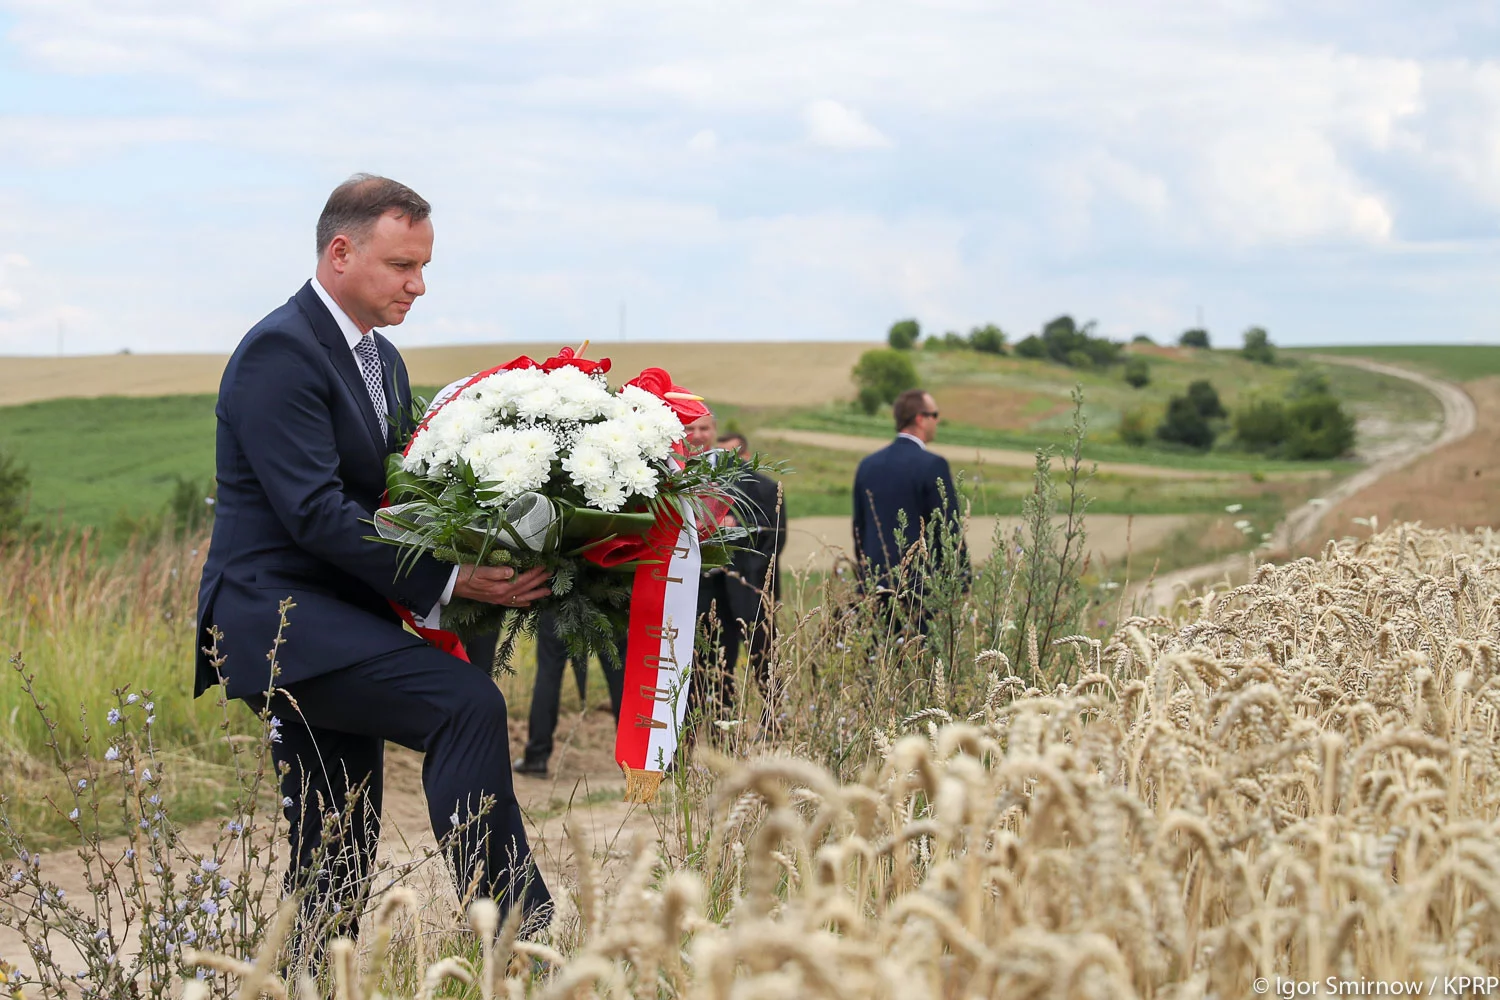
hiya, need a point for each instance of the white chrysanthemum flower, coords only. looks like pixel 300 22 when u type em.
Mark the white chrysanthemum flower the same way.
pixel 537 443
pixel 579 396
pixel 589 468
pixel 609 496
pixel 462 420
pixel 480 452
pixel 637 477
pixel 613 437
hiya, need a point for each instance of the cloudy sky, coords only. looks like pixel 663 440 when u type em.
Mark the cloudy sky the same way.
pixel 760 169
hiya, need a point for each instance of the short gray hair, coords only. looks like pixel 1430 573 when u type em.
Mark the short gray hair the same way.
pixel 355 205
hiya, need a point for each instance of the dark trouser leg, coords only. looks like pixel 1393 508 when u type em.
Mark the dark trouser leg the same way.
pixel 333 782
pixel 614 677
pixel 453 712
pixel 712 688
pixel 546 693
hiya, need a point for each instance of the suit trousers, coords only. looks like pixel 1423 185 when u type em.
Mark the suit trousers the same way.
pixel 546 694
pixel 718 645
pixel 332 735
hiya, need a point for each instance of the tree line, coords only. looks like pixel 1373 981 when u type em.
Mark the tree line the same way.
pixel 1307 422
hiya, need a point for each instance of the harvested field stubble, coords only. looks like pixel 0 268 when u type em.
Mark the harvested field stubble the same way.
pixel 1302 780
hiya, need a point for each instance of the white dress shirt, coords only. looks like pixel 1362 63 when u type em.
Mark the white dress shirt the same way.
pixel 352 334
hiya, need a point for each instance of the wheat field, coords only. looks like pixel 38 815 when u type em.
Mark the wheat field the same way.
pixel 804 373
pixel 1297 778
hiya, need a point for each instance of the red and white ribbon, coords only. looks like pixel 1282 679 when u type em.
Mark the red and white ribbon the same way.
pixel 658 662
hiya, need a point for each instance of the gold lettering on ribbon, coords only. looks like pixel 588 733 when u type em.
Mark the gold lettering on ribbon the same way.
pixel 681 551
pixel 666 632
pixel 646 722
pixel 667 662
pixel 658 573
pixel 653 693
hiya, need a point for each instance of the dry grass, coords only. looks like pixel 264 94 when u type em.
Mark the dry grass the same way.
pixel 1299 779
pixel 752 374
pixel 1452 487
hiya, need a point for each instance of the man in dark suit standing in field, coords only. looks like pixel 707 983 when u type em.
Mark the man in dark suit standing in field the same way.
pixel 903 477
pixel 305 414
pixel 752 588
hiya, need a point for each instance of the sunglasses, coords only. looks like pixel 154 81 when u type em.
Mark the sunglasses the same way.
pixel 928 413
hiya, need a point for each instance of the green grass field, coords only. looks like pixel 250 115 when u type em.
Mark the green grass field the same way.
pixel 1458 362
pixel 111 462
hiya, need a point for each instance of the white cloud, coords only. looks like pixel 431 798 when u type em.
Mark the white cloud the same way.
pixel 1121 161
pixel 831 124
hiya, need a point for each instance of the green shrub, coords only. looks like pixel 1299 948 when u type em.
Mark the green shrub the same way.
pixel 1031 347
pixel 1258 347
pixel 1194 338
pixel 1137 371
pixel 989 339
pixel 1261 425
pixel 1135 427
pixel 1309 383
pixel 904 334
pixel 1318 427
pixel 1205 399
pixel 1185 424
pixel 882 375
pixel 15 488
pixel 1142 338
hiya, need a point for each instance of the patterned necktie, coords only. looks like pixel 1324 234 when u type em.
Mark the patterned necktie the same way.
pixel 369 366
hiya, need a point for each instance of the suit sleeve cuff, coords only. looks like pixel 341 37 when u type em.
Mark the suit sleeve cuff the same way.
pixel 431 619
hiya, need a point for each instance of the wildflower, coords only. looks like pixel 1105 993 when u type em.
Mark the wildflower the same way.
pixel 453 819
pixel 74 813
pixel 274 722
pixel 150 706
pixel 16 876
pixel 130 854
pixel 234 827
pixel 150 720
pixel 155 800
pixel 113 715
pixel 101 934
pixel 1234 508
pixel 113 753
pixel 210 907
pixel 145 774
pixel 83 783
pixel 286 802
pixel 225 885
pixel 209 866
pixel 132 699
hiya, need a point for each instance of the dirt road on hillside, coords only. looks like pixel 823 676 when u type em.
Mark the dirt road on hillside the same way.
pixel 1301 525
pixel 817 543
pixel 968 454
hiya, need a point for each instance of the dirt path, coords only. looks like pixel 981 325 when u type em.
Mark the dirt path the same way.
pixel 1010 458
pixel 818 543
pixel 584 790
pixel 1459 421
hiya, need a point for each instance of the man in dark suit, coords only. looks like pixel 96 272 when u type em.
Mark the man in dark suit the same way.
pixel 904 476
pixel 752 588
pixel 546 692
pixel 311 404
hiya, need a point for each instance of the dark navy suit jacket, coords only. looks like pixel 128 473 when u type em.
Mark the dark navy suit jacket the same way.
pixel 300 470
pixel 902 476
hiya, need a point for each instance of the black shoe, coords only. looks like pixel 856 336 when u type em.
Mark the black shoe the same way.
pixel 534 768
